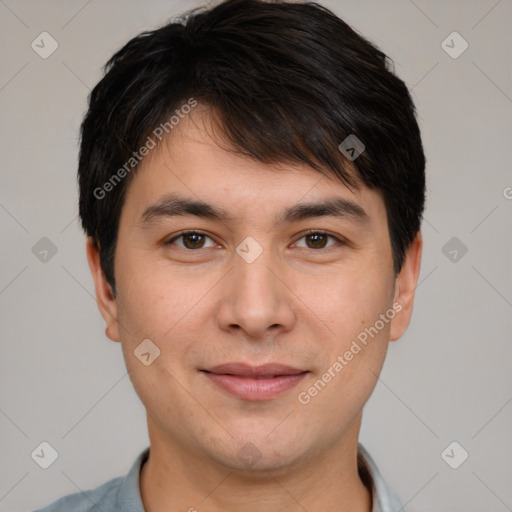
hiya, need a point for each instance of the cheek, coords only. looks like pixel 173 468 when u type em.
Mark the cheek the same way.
pixel 355 345
pixel 171 310
pixel 153 307
pixel 338 392
pixel 347 304
pixel 156 302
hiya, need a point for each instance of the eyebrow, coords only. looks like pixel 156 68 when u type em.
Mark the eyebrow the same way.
pixel 174 206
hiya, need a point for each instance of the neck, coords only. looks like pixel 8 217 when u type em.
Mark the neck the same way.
pixel 173 478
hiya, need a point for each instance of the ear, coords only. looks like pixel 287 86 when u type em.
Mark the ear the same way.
pixel 405 287
pixel 104 296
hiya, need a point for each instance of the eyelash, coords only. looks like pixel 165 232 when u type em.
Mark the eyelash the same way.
pixel 308 233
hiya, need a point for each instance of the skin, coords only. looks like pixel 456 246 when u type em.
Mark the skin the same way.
pixel 301 302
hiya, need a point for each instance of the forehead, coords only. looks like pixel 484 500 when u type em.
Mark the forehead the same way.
pixel 196 162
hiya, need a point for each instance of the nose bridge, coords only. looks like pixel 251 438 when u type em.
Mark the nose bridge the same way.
pixel 254 280
pixel 257 299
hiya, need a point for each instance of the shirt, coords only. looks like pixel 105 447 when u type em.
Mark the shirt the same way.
pixel 122 494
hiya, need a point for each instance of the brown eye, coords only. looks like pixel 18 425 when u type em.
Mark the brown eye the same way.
pixel 319 240
pixel 191 240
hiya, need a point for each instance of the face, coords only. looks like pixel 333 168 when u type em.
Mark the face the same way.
pixel 270 320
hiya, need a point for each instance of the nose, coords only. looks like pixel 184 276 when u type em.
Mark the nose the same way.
pixel 256 298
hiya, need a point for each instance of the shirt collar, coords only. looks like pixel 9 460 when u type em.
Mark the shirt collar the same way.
pixel 384 499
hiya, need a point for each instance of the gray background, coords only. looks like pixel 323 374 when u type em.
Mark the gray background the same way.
pixel 448 379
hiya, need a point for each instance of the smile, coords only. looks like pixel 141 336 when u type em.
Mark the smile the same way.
pixel 255 383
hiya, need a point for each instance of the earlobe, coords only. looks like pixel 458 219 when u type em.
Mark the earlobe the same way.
pixel 405 288
pixel 104 297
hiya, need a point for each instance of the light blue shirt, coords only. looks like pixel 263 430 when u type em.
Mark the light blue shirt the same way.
pixel 122 494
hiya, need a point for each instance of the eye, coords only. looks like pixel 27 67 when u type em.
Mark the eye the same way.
pixel 318 239
pixel 191 240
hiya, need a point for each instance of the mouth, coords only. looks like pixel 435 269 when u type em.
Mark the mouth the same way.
pixel 255 382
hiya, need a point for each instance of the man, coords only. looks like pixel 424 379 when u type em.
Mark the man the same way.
pixel 252 187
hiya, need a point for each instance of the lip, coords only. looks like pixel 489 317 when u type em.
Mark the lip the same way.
pixel 255 382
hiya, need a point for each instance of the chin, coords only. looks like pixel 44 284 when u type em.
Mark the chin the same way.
pixel 261 452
